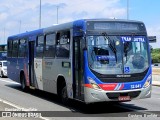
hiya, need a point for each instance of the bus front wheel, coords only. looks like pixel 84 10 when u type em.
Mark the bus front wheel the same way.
pixel 2 75
pixel 64 96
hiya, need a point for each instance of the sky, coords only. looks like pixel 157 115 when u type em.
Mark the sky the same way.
pixel 18 16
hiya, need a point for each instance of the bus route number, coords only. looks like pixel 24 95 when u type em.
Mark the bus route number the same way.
pixel 135 86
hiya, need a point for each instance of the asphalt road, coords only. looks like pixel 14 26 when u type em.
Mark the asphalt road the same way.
pixel 12 97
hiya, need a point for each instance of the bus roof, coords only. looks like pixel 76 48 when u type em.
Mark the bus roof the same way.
pixel 30 33
pixel 116 20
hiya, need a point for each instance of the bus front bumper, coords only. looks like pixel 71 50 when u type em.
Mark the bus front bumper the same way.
pixel 93 95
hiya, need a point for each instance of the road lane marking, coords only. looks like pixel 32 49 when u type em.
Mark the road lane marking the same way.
pixel 18 107
pixel 9 81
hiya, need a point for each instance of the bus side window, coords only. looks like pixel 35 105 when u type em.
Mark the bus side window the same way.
pixel 22 48
pixel 15 48
pixel 62 47
pixel 9 54
pixel 50 46
pixel 40 46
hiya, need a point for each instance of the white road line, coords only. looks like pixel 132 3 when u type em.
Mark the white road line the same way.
pixel 8 81
pixel 17 107
pixel 9 103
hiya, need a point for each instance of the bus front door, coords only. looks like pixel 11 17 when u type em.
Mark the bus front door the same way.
pixel 31 64
pixel 77 69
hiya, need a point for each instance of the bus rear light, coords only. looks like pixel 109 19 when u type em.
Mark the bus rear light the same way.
pixel 148 81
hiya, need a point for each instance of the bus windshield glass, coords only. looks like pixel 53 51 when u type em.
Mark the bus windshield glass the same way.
pixel 118 54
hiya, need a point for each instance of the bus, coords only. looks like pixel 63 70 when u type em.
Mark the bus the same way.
pixel 3 51
pixel 89 60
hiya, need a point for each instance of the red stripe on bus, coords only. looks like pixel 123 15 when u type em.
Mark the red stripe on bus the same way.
pixel 108 86
pixel 88 85
pixel 122 86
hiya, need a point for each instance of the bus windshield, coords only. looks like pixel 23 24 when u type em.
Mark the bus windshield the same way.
pixel 118 54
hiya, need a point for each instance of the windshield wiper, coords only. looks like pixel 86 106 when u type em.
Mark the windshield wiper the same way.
pixel 111 45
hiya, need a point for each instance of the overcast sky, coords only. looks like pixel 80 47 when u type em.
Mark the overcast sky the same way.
pixel 17 16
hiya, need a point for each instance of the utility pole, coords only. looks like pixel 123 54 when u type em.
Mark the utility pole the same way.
pixel 57 14
pixel 20 26
pixel 4 35
pixel 40 15
pixel 127 9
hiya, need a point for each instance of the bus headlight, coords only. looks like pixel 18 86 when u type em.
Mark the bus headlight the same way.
pixel 148 82
pixel 93 83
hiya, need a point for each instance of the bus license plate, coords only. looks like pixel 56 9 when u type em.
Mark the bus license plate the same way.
pixel 124 98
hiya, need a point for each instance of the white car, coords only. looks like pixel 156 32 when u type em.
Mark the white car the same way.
pixel 3 69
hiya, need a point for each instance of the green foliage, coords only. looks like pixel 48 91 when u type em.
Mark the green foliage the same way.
pixel 155 55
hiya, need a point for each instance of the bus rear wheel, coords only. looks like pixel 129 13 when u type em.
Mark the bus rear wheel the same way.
pixel 23 83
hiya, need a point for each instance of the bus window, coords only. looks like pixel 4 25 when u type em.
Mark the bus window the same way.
pixel 15 48
pixel 10 48
pixel 62 48
pixel 50 46
pixel 22 48
pixel 40 46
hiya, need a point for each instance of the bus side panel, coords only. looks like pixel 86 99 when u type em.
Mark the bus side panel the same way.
pixel 23 67
pixel 13 69
pixel 38 72
pixel 50 69
pixel 66 70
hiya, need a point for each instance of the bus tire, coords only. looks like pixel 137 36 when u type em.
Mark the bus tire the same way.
pixel 64 95
pixel 23 83
pixel 2 75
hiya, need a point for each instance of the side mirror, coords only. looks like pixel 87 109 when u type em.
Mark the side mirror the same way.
pixel 152 39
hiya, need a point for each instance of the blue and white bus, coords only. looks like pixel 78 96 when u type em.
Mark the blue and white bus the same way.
pixel 91 60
